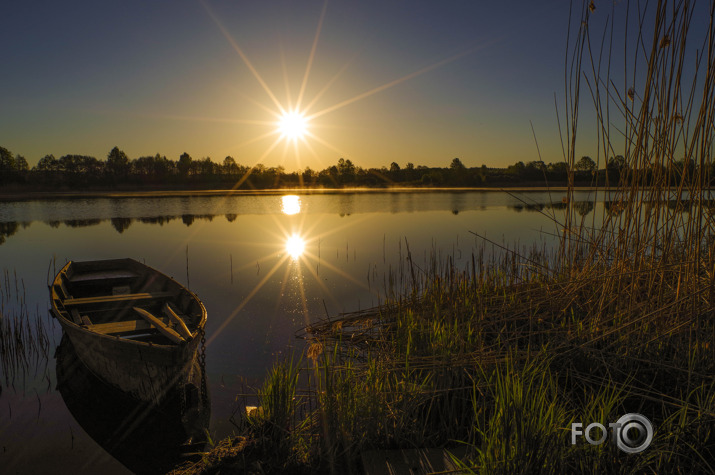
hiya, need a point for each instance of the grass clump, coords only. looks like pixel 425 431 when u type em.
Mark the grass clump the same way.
pixel 269 437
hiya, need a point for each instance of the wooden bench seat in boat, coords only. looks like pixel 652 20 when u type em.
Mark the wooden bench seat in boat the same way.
pixel 107 274
pixel 116 298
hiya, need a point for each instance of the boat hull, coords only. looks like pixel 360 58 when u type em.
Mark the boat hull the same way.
pixel 146 438
pixel 147 372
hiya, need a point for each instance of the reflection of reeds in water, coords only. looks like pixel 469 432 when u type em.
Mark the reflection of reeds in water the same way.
pixel 583 208
pixel 24 342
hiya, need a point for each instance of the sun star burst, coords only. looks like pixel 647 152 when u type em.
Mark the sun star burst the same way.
pixel 293 125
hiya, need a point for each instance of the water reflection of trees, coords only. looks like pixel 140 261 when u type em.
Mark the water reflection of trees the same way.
pixel 583 208
pixel 346 207
pixel 613 208
pixel 188 219
pixel 121 224
pixel 81 223
pixel 7 230
pixel 528 207
pixel 457 203
pixel 160 220
pixel 10 228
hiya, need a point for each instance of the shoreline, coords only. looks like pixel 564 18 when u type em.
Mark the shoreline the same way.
pixel 60 195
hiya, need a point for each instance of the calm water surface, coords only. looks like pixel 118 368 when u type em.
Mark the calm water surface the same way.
pixel 264 266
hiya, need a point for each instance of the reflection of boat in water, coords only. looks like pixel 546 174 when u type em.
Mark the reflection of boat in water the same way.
pixel 131 325
pixel 144 437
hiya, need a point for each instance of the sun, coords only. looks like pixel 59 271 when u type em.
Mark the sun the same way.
pixel 290 204
pixel 293 125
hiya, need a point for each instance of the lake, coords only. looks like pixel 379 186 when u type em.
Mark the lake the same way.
pixel 265 266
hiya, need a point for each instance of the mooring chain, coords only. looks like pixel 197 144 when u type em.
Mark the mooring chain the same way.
pixel 182 400
pixel 202 364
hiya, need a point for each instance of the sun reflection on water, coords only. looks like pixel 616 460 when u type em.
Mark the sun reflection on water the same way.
pixel 290 204
pixel 295 246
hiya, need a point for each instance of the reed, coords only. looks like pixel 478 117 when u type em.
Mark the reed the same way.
pixel 504 354
pixel 622 314
pixel 25 344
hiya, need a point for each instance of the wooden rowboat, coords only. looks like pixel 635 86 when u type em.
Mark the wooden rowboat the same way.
pixel 131 325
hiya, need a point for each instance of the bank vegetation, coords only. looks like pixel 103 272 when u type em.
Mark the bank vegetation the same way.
pixel 502 356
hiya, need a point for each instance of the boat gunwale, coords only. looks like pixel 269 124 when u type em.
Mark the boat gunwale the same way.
pixel 64 321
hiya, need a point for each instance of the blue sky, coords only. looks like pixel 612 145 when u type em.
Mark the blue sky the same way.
pixel 416 81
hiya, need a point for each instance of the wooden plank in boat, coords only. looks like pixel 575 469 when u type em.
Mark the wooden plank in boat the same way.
pixel 79 319
pixel 74 313
pixel 180 325
pixel 161 326
pixel 117 298
pixel 120 327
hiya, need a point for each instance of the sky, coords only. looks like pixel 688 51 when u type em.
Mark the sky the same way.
pixel 381 81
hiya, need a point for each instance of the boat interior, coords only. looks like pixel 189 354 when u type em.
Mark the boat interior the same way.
pixel 127 300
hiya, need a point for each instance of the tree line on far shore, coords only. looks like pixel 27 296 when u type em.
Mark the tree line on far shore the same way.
pixel 118 171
